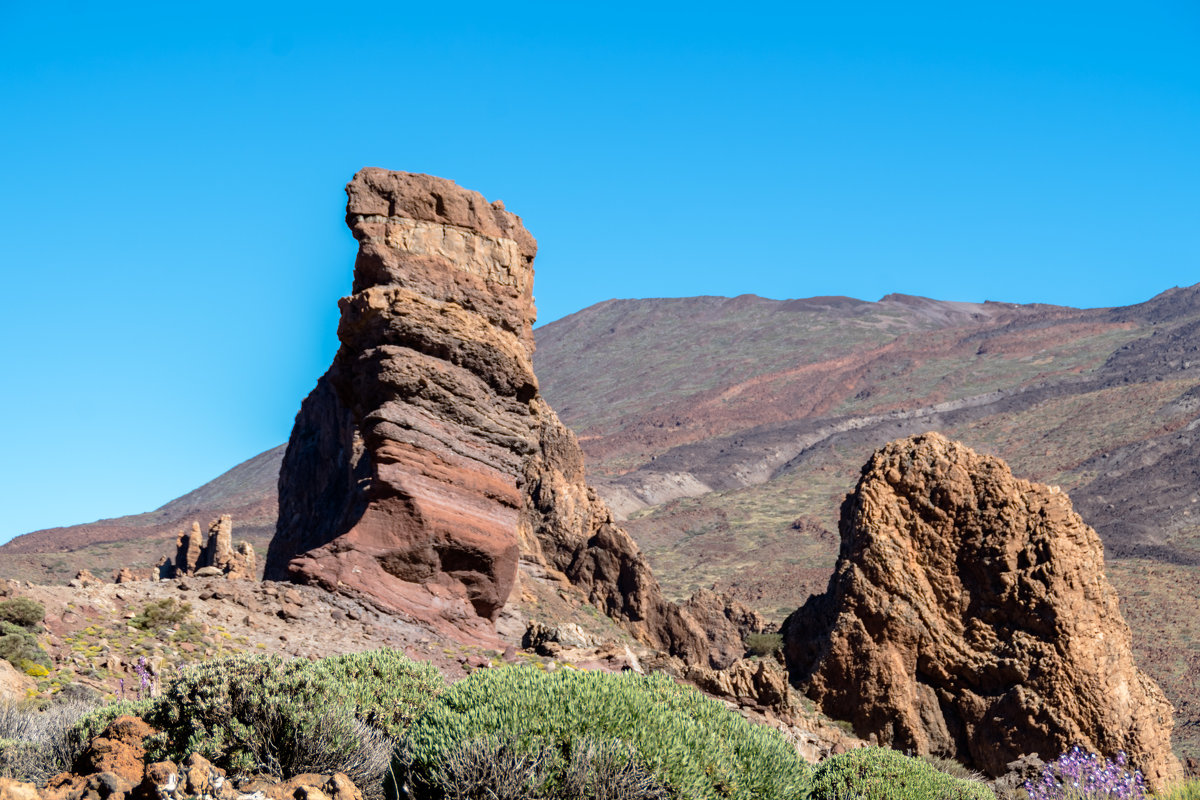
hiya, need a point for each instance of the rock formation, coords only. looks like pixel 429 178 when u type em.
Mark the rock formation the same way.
pixel 969 616
pixel 217 556
pixel 426 464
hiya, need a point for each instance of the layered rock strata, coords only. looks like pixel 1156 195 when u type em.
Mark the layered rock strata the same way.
pixel 426 464
pixel 969 616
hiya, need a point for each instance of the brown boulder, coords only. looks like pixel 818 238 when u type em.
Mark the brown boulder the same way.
pixel 969 616
pixel 199 777
pixel 83 579
pixel 120 749
pixel 13 685
pixel 135 574
pixel 314 787
pixel 17 790
pixel 726 623
pixel 425 464
pixel 63 785
pixel 754 682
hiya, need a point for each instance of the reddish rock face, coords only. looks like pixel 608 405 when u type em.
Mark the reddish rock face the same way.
pixel 120 749
pixel 425 464
pixel 969 616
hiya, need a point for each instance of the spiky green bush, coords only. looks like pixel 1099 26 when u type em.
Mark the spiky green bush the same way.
pixel 688 743
pixel 386 688
pixel 251 713
pixel 36 743
pixel 877 773
pixel 22 612
pixel 20 648
pixel 159 614
pixel 763 644
pixel 25 761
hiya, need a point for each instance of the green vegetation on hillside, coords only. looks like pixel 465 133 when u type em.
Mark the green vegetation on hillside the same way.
pixel 877 773
pixel 688 744
pixel 20 621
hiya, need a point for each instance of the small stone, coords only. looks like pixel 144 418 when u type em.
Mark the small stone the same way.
pixel 17 790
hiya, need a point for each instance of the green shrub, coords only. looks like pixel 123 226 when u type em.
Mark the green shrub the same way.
pixel 387 689
pixel 764 644
pixel 49 744
pixel 608 771
pixel 953 768
pixel 25 761
pixel 684 741
pixel 18 645
pixel 877 773
pixel 159 614
pixel 264 713
pixel 91 723
pixel 23 612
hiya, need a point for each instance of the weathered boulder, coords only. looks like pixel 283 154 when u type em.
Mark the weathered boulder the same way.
pixel 425 464
pixel 969 616
pixel 14 685
pixel 18 790
pixel 119 749
pixel 135 574
pixel 759 682
pixel 83 579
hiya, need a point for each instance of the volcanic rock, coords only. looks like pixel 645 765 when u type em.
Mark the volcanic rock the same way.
pixel 425 464
pixel 217 556
pixel 969 616
pixel 14 686
pixel 188 548
pixel 18 790
pixel 120 749
pixel 759 682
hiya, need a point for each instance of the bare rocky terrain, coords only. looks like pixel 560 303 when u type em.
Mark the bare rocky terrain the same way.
pixel 726 431
pixel 732 469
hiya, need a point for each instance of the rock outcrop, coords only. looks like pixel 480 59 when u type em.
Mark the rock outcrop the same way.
pixel 969 616
pixel 14 686
pixel 426 464
pixel 217 556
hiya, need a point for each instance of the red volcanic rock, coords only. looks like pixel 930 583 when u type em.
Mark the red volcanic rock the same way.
pixel 969 616
pixel 119 750
pixel 426 463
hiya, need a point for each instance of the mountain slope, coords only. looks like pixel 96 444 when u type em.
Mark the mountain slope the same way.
pixel 736 480
pixel 54 555
pixel 728 431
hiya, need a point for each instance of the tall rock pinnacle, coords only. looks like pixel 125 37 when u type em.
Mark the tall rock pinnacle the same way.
pixel 969 616
pixel 426 464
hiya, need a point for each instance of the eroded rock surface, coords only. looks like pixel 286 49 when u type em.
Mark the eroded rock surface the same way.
pixel 217 554
pixel 426 464
pixel 969 615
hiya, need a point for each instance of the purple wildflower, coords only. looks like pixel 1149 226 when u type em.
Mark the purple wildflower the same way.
pixel 1077 775
pixel 146 674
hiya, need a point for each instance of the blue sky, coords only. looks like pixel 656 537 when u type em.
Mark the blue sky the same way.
pixel 171 236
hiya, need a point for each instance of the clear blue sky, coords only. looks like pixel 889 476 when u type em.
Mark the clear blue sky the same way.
pixel 171 237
